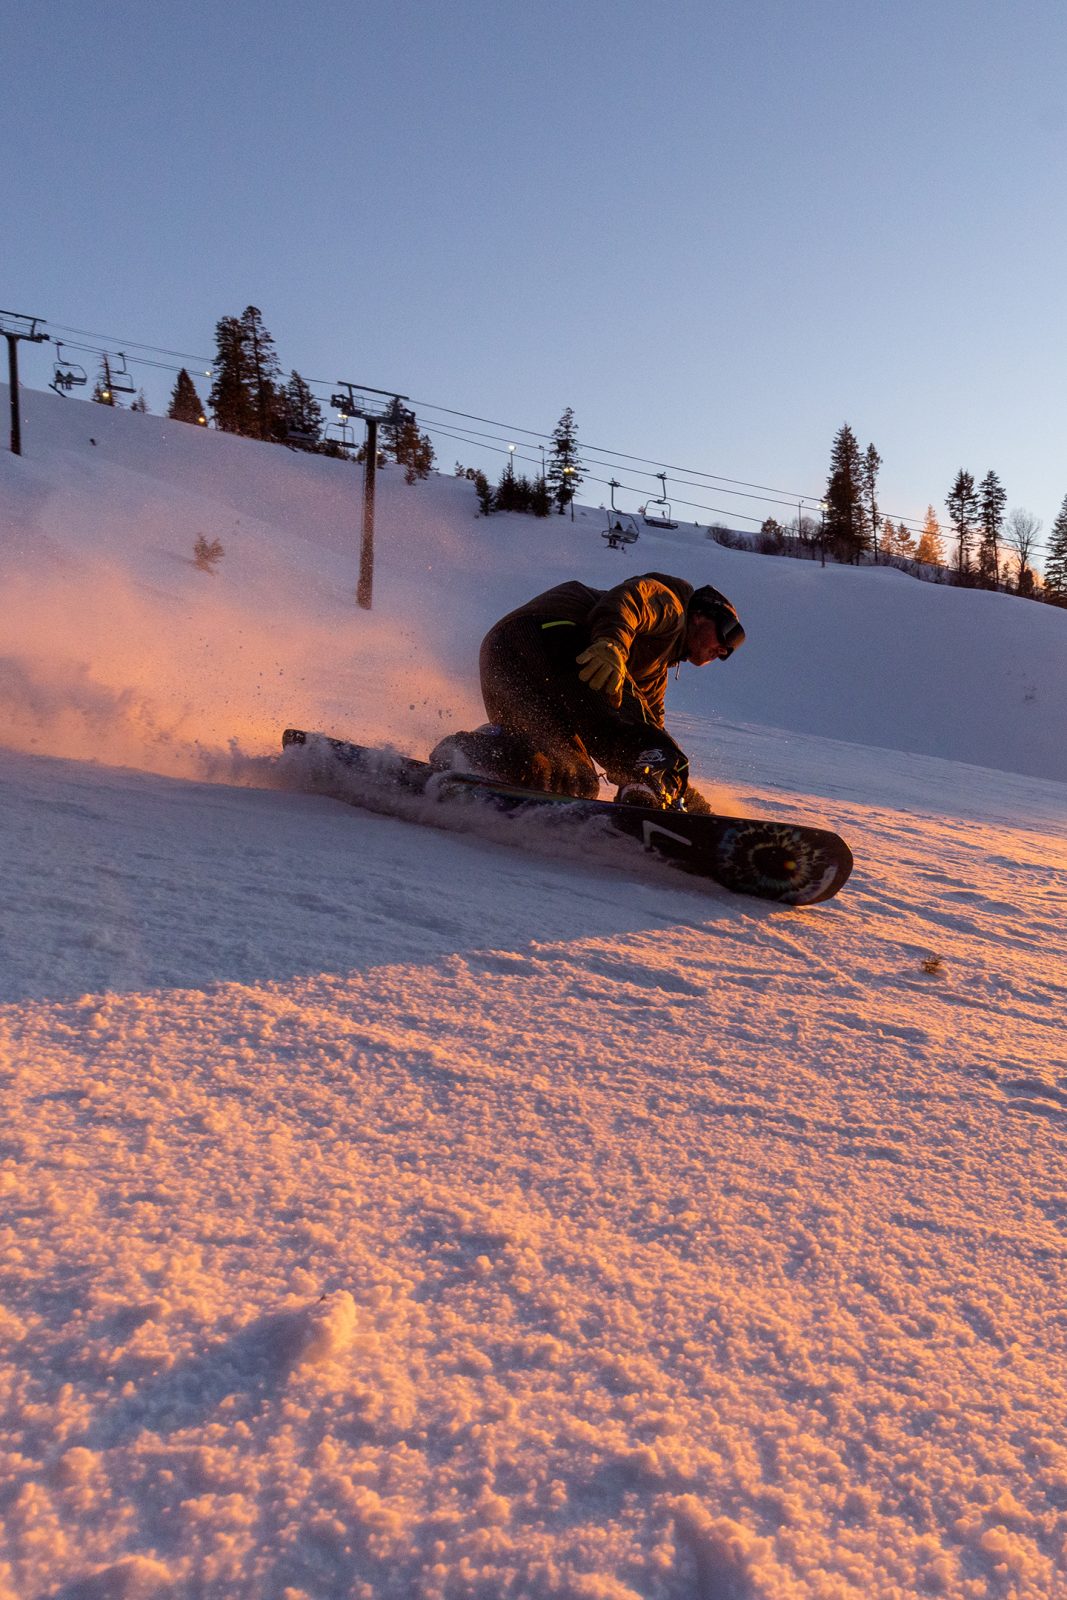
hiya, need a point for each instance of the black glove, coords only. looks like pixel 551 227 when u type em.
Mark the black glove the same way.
pixel 668 768
pixel 659 778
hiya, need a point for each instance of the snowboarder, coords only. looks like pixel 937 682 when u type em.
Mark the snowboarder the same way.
pixel 578 675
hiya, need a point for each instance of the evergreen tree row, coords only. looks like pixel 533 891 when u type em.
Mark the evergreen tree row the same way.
pixel 850 520
pixel 557 486
pixel 983 530
pixel 977 514
pixel 993 548
pixel 250 397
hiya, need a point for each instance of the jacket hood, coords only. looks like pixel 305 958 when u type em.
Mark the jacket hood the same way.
pixel 678 586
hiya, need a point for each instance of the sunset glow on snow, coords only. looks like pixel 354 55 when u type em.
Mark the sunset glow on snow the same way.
pixel 455 1211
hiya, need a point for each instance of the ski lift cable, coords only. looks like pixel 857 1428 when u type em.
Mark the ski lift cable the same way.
pixel 718 480
pixel 476 437
pixel 790 496
pixel 693 505
pixel 97 350
pixel 114 342
pixel 636 489
pixel 769 498
pixel 462 438
pixel 494 422
pixel 589 477
pixel 480 440
pixel 744 494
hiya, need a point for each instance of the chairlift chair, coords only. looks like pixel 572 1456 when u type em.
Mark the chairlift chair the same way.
pixel 662 517
pixel 341 433
pixel 121 379
pixel 301 438
pixel 66 375
pixel 621 529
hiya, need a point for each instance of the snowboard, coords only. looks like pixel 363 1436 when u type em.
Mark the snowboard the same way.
pixel 784 861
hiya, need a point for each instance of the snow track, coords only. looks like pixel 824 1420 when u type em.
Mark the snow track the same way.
pixel 415 1242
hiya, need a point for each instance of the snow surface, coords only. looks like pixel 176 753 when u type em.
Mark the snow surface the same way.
pixel 471 1211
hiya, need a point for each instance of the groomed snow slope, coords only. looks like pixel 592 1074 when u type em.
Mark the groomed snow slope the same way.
pixel 400 1211
pixel 101 593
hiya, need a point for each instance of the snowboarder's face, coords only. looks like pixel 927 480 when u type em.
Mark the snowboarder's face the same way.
pixel 702 641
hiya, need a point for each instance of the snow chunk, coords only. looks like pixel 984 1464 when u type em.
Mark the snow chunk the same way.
pixel 134 1578
pixel 725 1551
pixel 326 1330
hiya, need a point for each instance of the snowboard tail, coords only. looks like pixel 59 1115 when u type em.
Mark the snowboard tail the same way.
pixel 783 861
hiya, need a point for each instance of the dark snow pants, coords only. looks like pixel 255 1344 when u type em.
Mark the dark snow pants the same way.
pixel 531 684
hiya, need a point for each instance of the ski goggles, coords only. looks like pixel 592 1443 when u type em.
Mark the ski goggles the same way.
pixel 727 626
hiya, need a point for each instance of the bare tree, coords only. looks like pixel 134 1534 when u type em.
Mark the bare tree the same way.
pixel 1021 529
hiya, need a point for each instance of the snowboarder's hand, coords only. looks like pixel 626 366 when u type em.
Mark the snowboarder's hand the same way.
pixel 603 667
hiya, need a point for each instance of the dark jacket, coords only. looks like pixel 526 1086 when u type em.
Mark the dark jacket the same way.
pixel 645 616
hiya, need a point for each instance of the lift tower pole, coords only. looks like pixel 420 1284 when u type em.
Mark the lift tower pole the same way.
pixel 355 403
pixel 366 543
pixel 13 335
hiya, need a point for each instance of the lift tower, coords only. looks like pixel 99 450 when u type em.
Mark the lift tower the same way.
pixel 14 326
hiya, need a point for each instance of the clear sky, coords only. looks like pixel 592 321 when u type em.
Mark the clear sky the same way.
pixel 717 231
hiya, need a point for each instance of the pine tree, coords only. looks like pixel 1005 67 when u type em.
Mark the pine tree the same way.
pixel 231 393
pixel 185 404
pixel 415 452
pixel 540 499
pixel 303 414
pixel 504 496
pixel 992 500
pixel 140 404
pixel 872 461
pixel 931 551
pixel 896 540
pixel 246 396
pixel 267 394
pixel 103 393
pixel 1056 559
pixel 846 525
pixel 565 466
pixel 484 492
pixel 962 504
pixel 401 438
pixel 512 493
pixel 393 424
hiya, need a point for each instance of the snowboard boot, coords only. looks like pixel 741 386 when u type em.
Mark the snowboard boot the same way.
pixel 499 754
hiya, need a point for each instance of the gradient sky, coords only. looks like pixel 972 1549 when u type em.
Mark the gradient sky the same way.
pixel 716 231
